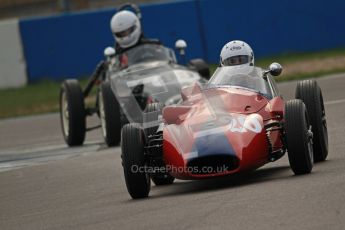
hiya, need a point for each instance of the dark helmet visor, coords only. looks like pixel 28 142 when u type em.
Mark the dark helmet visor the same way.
pixel 125 32
pixel 236 60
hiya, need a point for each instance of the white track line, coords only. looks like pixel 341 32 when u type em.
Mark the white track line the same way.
pixel 334 102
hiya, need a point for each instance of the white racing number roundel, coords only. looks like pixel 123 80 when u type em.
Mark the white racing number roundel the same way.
pixel 242 124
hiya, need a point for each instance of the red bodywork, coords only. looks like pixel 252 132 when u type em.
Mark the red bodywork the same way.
pixel 224 126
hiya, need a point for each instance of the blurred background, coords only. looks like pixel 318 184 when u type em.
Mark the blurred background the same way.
pixel 43 42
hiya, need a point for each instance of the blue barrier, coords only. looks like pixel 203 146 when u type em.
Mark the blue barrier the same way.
pixel 65 46
pixel 71 45
pixel 173 21
pixel 273 27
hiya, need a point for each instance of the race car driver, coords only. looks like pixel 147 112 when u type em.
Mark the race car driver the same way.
pixel 127 31
pixel 236 53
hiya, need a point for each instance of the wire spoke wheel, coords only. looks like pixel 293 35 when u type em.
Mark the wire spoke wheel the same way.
pixel 102 115
pixel 72 112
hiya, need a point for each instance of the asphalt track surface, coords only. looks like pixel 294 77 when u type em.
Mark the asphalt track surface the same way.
pixel 45 185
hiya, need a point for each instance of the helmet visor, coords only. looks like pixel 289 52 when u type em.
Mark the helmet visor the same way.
pixel 236 60
pixel 125 33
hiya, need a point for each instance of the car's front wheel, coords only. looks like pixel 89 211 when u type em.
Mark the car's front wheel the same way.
pixel 109 111
pixel 299 137
pixel 72 112
pixel 133 161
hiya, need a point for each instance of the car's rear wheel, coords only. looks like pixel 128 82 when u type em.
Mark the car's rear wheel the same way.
pixel 109 111
pixel 310 93
pixel 133 161
pixel 298 137
pixel 201 67
pixel 152 112
pixel 72 112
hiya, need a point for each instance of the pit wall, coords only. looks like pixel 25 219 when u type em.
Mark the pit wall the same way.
pixel 12 61
pixel 70 45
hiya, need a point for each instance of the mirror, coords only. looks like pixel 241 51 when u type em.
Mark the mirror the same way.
pixel 109 52
pixel 275 69
pixel 181 45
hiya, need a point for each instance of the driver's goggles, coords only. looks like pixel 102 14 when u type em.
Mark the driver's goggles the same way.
pixel 125 32
pixel 236 60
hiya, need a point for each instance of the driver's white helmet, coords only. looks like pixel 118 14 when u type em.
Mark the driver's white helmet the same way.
pixel 236 53
pixel 126 28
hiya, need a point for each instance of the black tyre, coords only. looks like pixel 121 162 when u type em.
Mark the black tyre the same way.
pixel 133 161
pixel 109 110
pixel 72 112
pixel 298 137
pixel 310 93
pixel 152 112
pixel 201 67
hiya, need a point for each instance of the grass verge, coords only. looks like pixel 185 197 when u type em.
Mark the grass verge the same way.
pixel 42 97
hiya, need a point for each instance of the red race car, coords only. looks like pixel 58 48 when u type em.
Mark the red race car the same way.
pixel 238 121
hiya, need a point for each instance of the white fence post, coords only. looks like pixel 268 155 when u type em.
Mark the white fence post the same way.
pixel 12 61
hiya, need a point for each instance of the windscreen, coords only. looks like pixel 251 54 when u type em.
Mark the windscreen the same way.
pixel 248 78
pixel 149 52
